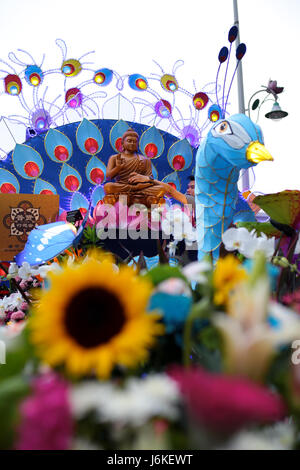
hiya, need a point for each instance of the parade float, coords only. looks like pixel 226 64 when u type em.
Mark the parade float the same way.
pixel 142 348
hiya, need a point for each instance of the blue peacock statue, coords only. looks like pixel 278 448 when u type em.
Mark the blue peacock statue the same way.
pixel 231 145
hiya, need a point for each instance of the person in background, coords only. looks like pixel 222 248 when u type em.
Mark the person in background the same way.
pixel 191 186
pixel 190 194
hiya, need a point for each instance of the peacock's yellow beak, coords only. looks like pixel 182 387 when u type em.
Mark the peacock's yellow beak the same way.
pixel 257 152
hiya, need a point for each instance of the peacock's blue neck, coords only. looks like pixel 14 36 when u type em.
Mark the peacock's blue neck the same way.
pixel 216 178
pixel 216 197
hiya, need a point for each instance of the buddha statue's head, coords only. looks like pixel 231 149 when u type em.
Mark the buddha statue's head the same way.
pixel 130 141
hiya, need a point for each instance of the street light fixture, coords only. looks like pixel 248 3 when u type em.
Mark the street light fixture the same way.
pixel 272 91
pixel 276 113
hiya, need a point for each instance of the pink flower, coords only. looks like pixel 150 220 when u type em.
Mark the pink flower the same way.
pixel 226 403
pixel 24 306
pixel 119 215
pixel 16 316
pixel 46 421
pixel 292 300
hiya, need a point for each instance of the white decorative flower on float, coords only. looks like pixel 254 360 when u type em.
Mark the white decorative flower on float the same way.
pixel 247 243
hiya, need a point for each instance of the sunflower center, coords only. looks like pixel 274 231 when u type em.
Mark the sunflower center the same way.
pixel 94 316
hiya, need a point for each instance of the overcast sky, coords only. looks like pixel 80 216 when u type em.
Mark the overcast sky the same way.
pixel 128 35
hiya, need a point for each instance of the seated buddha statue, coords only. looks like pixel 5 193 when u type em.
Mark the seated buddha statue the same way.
pixel 133 176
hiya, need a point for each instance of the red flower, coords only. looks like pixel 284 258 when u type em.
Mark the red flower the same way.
pixel 226 403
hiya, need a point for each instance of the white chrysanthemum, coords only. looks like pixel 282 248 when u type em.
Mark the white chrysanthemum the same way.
pixel 156 395
pixel 84 444
pixel 89 396
pixel 133 405
pixel 281 436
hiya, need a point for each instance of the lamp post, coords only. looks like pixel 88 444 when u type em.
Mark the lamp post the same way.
pixel 241 97
pixel 240 68
pixel 272 91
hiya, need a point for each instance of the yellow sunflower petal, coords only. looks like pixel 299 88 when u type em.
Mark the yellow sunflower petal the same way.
pixel 100 332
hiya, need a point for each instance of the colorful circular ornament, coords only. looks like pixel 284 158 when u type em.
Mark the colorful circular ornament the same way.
pixel 91 145
pixel 97 175
pixel 103 76
pixel 7 188
pixel 73 98
pixel 46 191
pixel 40 120
pixel 118 145
pixel 137 82
pixel 61 153
pixel 71 67
pixel 200 100
pixel 215 113
pixel 151 150
pixel 13 85
pixel 169 83
pixel 163 109
pixel 178 162
pixel 31 169
pixel 34 75
pixel 71 183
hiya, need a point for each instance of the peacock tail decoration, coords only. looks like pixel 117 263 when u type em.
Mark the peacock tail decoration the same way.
pixel 68 137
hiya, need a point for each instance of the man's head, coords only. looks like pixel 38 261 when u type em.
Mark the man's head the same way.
pixel 130 140
pixel 191 186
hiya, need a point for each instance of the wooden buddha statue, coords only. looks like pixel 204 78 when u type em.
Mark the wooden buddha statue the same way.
pixel 133 176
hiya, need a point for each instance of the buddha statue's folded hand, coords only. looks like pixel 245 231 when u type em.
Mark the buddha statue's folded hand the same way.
pixel 136 178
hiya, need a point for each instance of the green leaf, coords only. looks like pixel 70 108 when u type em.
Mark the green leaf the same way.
pixel 17 356
pixel 89 236
pixel 210 338
pixel 12 391
pixel 260 228
pixel 284 207
pixel 162 272
pixel 255 105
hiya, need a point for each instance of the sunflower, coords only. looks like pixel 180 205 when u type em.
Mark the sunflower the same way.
pixel 227 274
pixel 93 317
